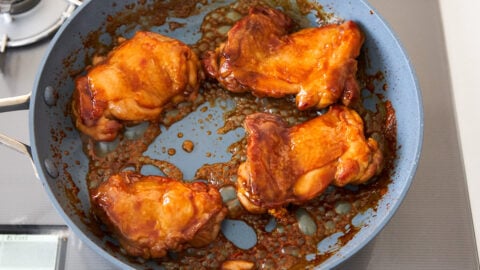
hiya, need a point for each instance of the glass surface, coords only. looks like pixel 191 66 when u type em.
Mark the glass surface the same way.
pixel 32 247
pixel 24 251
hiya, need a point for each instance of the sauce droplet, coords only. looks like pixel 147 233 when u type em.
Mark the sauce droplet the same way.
pixel 188 146
pixel 171 151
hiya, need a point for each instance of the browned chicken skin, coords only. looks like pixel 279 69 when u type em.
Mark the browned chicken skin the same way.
pixel 134 83
pixel 316 64
pixel 294 164
pixel 152 214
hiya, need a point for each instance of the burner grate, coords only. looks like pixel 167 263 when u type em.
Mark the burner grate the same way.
pixel 28 21
pixel 17 6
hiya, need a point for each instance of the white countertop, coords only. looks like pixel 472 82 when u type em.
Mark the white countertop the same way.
pixel 461 25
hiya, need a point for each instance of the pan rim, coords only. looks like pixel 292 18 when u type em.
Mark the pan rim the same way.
pixel 336 259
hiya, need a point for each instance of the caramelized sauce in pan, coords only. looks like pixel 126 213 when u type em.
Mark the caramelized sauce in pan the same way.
pixel 283 246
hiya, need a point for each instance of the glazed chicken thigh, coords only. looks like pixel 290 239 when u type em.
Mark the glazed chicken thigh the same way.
pixel 135 82
pixel 295 164
pixel 260 55
pixel 152 214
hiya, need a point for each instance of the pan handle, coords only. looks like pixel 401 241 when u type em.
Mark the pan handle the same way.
pixel 16 145
pixel 15 104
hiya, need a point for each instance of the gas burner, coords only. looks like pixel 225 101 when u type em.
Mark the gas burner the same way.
pixel 17 6
pixel 23 22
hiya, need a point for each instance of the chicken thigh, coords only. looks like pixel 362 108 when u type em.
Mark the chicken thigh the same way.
pixel 152 214
pixel 317 65
pixel 295 164
pixel 135 82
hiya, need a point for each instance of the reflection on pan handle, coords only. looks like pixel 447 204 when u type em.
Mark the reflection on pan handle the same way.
pixel 15 104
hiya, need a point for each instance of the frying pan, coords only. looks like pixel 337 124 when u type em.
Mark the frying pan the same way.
pixel 60 163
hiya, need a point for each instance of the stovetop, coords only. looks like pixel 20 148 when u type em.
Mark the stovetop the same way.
pixel 431 230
